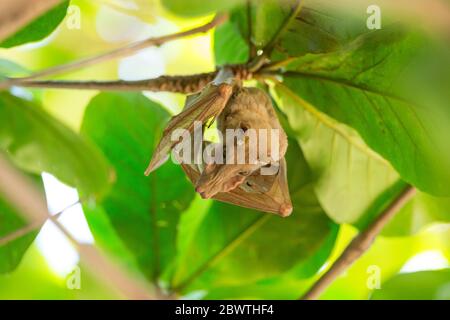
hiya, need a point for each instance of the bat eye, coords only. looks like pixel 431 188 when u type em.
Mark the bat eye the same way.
pixel 244 173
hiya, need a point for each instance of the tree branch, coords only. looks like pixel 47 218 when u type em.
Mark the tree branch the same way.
pixel 30 203
pixel 359 245
pixel 15 14
pixel 118 53
pixel 180 84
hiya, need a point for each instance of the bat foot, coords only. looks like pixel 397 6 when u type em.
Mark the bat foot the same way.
pixel 285 210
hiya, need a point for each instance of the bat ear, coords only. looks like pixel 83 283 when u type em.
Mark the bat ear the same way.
pixel 233 183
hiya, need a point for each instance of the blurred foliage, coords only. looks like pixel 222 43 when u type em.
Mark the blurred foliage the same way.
pixel 39 28
pixel 428 285
pixel 198 7
pixel 11 253
pixel 351 171
pixel 34 279
pixel 366 111
pixel 144 211
pixel 38 143
pixel 11 220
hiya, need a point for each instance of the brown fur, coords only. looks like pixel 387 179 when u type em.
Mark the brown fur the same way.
pixel 248 108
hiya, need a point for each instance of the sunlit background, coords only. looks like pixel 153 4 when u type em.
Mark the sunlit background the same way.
pixel 108 24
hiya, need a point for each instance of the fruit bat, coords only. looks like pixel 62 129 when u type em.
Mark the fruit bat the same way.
pixel 240 183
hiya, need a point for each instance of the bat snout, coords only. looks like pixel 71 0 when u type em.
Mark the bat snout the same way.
pixel 202 192
pixel 204 195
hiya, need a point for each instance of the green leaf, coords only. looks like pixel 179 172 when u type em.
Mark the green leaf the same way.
pixel 232 39
pixel 267 19
pixel 40 28
pixel 357 86
pixel 317 28
pixel 343 166
pixel 229 46
pixel 421 211
pixel 198 7
pixel 224 245
pixel 422 285
pixel 11 221
pixel 38 143
pixel 9 68
pixel 144 211
pixel 11 253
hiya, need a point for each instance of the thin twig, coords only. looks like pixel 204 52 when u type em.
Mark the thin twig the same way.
pixel 30 203
pixel 118 53
pixel 31 227
pixel 359 245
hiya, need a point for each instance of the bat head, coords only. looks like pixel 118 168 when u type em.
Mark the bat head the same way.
pixel 217 178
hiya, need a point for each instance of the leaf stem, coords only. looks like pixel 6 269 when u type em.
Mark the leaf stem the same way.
pixel 251 45
pixel 294 13
pixel 359 245
pixel 259 61
pixel 229 247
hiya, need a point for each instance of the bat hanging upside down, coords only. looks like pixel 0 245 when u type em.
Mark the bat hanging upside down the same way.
pixel 249 169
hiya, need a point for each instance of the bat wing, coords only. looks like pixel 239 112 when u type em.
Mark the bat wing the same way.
pixel 264 193
pixel 200 107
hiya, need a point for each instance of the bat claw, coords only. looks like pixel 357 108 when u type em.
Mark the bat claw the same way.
pixel 285 210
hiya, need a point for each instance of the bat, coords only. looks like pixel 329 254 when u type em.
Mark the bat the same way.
pixel 200 107
pixel 249 112
pixel 264 193
pixel 234 107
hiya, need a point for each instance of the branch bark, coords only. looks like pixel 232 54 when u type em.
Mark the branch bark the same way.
pixel 15 14
pixel 21 194
pixel 179 84
pixel 118 53
pixel 358 246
